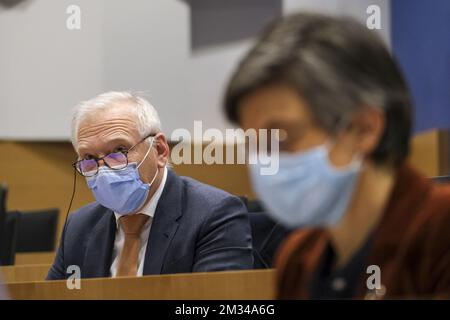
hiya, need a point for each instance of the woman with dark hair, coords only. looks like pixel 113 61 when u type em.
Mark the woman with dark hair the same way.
pixel 369 225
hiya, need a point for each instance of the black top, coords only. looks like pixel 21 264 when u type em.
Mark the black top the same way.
pixel 341 283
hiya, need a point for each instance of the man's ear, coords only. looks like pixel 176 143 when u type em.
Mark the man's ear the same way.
pixel 366 129
pixel 162 149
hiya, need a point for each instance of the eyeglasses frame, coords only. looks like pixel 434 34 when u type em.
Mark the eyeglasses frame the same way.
pixel 125 152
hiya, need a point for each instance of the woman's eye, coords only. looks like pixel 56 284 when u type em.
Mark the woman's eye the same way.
pixel 120 149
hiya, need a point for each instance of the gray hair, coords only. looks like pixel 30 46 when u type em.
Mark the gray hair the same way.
pixel 147 118
pixel 338 66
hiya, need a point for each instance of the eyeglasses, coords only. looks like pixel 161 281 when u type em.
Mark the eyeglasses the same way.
pixel 114 160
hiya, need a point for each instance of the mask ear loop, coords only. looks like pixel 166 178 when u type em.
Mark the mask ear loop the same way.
pixel 148 151
pixel 145 157
pixel 154 177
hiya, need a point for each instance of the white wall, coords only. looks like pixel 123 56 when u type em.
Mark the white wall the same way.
pixel 45 69
pixel 143 45
pixel 354 8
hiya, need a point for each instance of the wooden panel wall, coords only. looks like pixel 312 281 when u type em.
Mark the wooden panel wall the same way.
pixel 39 174
pixel 430 152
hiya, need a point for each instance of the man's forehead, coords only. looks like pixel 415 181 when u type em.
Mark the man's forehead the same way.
pixel 113 112
pixel 104 140
pixel 103 126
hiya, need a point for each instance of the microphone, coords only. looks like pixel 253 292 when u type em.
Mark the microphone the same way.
pixel 70 204
pixel 72 197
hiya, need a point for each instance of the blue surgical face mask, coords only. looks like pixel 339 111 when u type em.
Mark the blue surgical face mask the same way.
pixel 122 191
pixel 307 190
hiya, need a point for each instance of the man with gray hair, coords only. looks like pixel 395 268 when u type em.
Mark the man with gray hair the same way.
pixel 146 219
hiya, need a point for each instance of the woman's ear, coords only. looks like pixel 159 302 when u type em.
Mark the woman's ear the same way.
pixel 366 129
pixel 360 137
pixel 162 149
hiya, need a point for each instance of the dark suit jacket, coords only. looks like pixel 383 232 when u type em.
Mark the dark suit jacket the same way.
pixel 195 228
pixel 411 245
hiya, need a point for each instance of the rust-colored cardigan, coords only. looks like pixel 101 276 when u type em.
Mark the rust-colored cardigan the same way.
pixel 411 245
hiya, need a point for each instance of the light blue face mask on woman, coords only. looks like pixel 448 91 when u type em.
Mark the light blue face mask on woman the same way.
pixel 307 190
pixel 122 191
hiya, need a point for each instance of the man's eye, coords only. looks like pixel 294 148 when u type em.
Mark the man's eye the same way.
pixel 120 149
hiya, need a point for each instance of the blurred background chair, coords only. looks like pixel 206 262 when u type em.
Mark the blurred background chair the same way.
pixel 8 230
pixel 31 231
pixel 37 230
pixel 9 238
pixel 442 179
pixel 267 234
pixel 3 194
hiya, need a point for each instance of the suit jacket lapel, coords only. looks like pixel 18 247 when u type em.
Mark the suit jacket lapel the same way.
pixel 164 224
pixel 97 260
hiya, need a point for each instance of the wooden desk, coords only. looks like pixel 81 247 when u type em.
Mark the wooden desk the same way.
pixel 251 284
pixel 24 273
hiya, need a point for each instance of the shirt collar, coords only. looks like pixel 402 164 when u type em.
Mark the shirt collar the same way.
pixel 150 207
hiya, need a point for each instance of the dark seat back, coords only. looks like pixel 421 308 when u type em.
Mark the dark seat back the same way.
pixel 3 195
pixel 9 238
pixel 37 231
pixel 267 236
pixel 442 179
pixel 7 230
